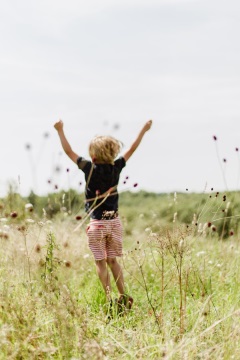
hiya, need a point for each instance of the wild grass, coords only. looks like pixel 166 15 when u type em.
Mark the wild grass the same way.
pixel 184 281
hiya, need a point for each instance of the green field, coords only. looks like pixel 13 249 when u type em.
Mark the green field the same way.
pixel 181 265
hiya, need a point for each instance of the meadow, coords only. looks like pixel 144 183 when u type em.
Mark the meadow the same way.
pixel 180 262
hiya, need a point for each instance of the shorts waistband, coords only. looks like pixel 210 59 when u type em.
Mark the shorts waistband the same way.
pixel 109 215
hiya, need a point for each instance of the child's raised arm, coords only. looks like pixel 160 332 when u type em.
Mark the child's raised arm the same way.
pixel 65 144
pixel 135 144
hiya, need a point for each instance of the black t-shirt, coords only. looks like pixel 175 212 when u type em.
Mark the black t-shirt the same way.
pixel 100 178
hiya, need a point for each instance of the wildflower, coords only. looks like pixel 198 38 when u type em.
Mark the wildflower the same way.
pixel 200 253
pixel 3 220
pixel 78 217
pixel 175 217
pixel 124 182
pixel 224 197
pixel 213 227
pixel 80 183
pixel 67 170
pixel 225 160
pixel 194 219
pixel 205 226
pixel 55 187
pixel 29 207
pixel 236 149
pixel 49 181
pixel 231 233
pixel 30 221
pixel 135 185
pixel 175 197
pixel 214 138
pixel 181 243
pixel 200 228
pixel 6 228
pixel 14 214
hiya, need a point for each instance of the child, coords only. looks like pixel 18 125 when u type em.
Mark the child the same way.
pixel 105 229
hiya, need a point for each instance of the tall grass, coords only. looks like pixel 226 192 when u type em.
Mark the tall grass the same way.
pixel 183 275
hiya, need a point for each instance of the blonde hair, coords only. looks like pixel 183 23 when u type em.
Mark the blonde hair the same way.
pixel 104 149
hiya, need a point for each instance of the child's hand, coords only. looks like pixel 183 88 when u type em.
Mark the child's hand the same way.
pixel 58 125
pixel 148 125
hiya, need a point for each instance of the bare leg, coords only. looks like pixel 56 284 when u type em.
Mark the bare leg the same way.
pixel 104 277
pixel 117 274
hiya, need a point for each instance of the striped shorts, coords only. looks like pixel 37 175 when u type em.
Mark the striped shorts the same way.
pixel 105 238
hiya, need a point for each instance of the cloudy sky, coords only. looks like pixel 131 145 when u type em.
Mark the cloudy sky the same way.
pixel 107 67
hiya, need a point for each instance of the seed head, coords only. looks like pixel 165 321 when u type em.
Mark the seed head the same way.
pixel 4 235
pixel 231 233
pixel 14 214
pixel 214 138
pixel 67 263
pixel 22 228
pixel 135 185
pixel 236 149
pixel 78 217
pixel 28 147
pixel 225 160
pixel 37 248
pixel 29 207
pixel 57 168
pixel 46 135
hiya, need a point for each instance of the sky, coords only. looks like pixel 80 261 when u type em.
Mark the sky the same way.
pixel 106 67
